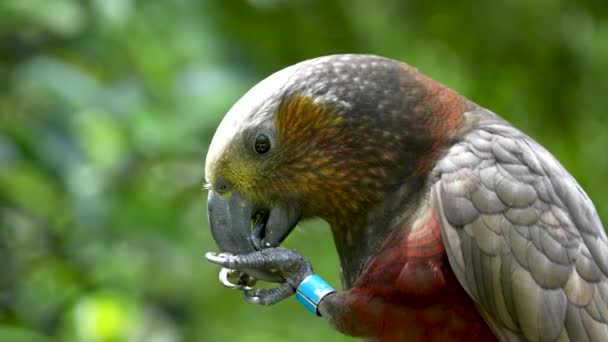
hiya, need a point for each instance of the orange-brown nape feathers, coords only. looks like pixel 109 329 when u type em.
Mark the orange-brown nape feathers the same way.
pixel 339 159
pixel 329 160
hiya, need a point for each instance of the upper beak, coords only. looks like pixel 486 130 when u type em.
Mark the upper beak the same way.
pixel 230 218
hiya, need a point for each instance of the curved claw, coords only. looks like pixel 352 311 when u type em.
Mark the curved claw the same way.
pixel 242 283
pixel 223 276
pixel 252 297
pixel 217 258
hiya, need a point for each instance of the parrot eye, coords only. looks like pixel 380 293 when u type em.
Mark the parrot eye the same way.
pixel 262 144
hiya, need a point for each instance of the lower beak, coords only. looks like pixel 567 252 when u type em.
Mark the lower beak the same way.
pixel 230 218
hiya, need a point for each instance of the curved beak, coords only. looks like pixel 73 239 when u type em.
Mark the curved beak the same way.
pixel 240 228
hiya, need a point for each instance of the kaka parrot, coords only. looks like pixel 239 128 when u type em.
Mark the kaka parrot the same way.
pixel 450 224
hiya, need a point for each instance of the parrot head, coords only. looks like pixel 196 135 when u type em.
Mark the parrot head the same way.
pixel 328 137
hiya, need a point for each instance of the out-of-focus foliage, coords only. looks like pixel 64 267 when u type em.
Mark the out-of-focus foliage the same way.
pixel 107 108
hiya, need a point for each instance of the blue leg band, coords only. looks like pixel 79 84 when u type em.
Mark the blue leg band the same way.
pixel 311 291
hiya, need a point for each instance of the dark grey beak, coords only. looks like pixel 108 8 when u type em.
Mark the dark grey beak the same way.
pixel 240 228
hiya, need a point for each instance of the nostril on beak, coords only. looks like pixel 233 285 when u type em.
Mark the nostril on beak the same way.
pixel 222 185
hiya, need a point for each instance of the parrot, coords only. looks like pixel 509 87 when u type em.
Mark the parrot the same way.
pixel 450 224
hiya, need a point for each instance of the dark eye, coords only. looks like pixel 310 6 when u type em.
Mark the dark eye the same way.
pixel 262 144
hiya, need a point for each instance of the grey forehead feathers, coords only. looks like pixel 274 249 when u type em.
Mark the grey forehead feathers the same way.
pixel 355 83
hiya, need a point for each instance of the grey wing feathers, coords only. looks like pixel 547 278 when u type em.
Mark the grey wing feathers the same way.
pixel 522 237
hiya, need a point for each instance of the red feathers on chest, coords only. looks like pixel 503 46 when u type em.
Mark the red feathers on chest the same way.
pixel 409 292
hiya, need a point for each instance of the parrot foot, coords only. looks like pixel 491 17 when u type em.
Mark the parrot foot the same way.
pixel 293 266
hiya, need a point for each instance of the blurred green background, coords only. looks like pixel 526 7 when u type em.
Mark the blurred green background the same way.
pixel 107 108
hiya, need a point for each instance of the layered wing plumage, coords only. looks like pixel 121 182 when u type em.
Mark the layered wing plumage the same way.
pixel 522 237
